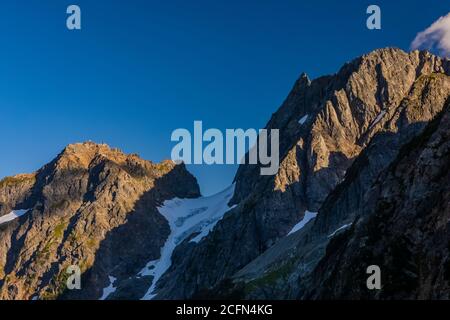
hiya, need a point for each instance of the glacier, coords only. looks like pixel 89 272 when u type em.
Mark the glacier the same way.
pixel 186 218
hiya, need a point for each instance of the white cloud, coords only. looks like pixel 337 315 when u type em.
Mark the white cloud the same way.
pixel 436 36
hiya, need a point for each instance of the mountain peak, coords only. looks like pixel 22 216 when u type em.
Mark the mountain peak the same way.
pixel 81 155
pixel 89 147
pixel 424 61
pixel 91 200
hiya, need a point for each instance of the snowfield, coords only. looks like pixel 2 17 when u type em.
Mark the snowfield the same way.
pixel 186 217
pixel 12 215
pixel 345 226
pixel 306 218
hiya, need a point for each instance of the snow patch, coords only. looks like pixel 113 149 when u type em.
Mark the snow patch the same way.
pixel 378 118
pixel 12 215
pixel 109 289
pixel 345 226
pixel 149 269
pixel 186 217
pixel 303 119
pixel 306 218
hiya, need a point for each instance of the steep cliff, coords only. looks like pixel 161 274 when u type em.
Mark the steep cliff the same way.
pixel 362 180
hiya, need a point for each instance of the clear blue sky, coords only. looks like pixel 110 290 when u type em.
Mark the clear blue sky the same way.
pixel 140 69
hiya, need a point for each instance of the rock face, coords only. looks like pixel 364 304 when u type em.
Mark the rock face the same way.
pixel 93 207
pixel 366 148
pixel 405 231
pixel 337 134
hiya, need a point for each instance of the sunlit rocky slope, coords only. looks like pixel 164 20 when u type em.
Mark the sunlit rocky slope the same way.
pixel 362 180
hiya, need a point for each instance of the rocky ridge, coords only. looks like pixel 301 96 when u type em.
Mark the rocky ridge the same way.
pixel 356 123
pixel 94 207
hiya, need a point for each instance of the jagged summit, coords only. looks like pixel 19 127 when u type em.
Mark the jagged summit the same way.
pixel 385 56
pixel 86 155
pixel 82 154
pixel 85 152
pixel 89 146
